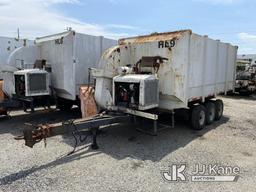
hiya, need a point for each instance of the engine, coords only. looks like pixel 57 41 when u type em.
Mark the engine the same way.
pixel 31 82
pixel 136 91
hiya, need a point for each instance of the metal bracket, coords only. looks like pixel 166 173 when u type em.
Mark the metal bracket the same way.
pixel 94 145
pixel 141 114
pixel 156 128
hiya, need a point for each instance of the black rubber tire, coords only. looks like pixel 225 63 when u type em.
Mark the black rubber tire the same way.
pixel 219 108
pixel 210 112
pixel 198 117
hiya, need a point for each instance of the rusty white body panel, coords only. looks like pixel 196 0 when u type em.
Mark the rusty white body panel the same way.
pixel 197 66
pixel 69 54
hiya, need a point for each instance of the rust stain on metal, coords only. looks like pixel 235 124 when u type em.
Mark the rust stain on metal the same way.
pixel 88 104
pixel 43 132
pixel 33 136
pixel 154 37
pixel 2 97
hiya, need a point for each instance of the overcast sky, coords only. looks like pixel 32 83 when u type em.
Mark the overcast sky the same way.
pixel 228 20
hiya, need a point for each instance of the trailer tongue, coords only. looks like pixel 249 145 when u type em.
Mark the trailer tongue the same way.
pixel 33 134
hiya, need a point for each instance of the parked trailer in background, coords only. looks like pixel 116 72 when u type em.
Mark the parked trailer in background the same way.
pixel 7 46
pixel 246 81
pixel 68 56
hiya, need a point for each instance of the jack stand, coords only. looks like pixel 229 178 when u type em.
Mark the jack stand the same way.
pixel 134 119
pixel 29 101
pixel 24 107
pixel 94 145
pixel 32 106
pixel 173 120
pixel 155 128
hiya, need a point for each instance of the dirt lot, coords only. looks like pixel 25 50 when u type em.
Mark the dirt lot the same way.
pixel 128 160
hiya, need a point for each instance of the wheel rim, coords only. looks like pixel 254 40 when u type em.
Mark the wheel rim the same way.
pixel 212 114
pixel 201 118
pixel 220 110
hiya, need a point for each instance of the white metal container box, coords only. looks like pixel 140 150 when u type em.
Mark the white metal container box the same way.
pixel 192 66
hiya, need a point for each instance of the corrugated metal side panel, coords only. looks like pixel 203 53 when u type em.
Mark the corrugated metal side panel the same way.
pixel 231 68
pixel 179 64
pixel 60 55
pixel 196 60
pixel 211 67
pixel 173 74
pixel 88 51
pixel 87 54
pixel 222 60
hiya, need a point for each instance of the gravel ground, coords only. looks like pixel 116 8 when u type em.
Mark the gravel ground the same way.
pixel 128 160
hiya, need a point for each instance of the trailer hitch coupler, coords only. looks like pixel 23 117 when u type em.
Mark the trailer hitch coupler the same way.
pixel 28 136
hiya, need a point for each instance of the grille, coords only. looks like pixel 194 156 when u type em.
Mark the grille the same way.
pixel 37 83
pixel 151 92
